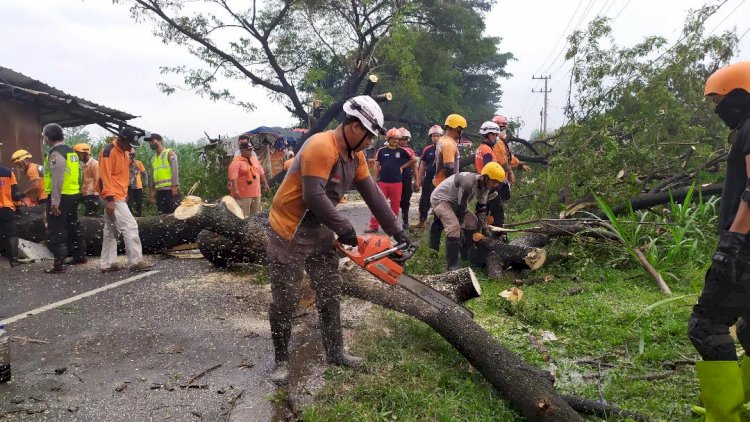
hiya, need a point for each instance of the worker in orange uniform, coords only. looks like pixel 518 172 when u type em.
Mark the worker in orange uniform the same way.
pixel 135 185
pixel 90 167
pixel 288 163
pixel 9 194
pixel 304 219
pixel 510 163
pixel 246 176
pixel 33 172
pixel 446 165
pixel 114 179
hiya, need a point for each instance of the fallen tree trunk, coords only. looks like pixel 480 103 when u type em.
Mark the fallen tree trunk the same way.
pixel 158 233
pixel 527 387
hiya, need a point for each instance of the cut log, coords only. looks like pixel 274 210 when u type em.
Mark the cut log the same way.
pixel 460 285
pixel 531 240
pixel 225 219
pixel 517 256
pixel 221 251
pixel 527 387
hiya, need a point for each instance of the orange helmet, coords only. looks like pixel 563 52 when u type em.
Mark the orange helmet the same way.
pixel 82 147
pixel 393 133
pixel 729 78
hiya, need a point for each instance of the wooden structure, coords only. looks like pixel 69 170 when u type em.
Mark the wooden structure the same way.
pixel 26 105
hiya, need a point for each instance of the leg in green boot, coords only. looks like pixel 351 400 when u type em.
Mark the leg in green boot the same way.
pixel 721 388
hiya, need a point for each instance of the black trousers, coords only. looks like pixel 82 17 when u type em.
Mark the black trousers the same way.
pixel 63 231
pixel 165 202
pixel 424 200
pixel 135 201
pixel 92 206
pixel 406 193
pixel 496 209
pixel 7 231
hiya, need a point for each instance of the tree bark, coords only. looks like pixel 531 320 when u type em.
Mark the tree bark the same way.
pixel 459 286
pixel 158 233
pixel 519 256
pixel 527 387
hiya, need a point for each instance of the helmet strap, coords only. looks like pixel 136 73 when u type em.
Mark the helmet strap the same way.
pixel 349 149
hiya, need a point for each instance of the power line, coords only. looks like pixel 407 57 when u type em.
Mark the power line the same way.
pixel 561 37
pixel 580 20
pixel 726 17
pixel 620 12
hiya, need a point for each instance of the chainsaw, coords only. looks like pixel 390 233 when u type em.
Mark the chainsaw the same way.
pixel 379 257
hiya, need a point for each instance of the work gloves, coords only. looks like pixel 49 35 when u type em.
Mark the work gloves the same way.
pixel 460 214
pixel 349 238
pixel 727 255
pixel 402 239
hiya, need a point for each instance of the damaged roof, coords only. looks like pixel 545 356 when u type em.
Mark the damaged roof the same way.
pixel 57 106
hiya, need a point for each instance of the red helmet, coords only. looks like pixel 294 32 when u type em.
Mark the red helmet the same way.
pixel 501 121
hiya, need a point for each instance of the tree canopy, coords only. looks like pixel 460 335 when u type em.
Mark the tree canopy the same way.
pixel 431 54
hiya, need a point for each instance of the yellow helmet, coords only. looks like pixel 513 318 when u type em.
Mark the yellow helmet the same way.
pixel 494 171
pixel 20 155
pixel 455 121
pixel 83 147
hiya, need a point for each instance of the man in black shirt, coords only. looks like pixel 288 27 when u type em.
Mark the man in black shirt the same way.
pixel 725 299
pixel 426 172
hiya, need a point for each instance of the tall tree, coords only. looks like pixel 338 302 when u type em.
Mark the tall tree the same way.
pixel 306 50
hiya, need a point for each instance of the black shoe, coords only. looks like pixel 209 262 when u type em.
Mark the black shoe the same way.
pixel 76 261
pixel 333 340
pixel 452 248
pixel 57 269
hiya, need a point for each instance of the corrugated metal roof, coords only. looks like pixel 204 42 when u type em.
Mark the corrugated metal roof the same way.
pixel 55 105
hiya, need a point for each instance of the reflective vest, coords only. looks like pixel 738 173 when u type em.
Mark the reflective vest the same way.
pixel 162 170
pixel 71 185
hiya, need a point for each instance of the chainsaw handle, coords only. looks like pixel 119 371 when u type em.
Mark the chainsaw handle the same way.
pixel 406 251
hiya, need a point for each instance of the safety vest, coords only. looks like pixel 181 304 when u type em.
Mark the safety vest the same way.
pixel 71 184
pixel 162 170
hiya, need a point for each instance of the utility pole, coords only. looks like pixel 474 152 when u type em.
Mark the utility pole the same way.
pixel 545 91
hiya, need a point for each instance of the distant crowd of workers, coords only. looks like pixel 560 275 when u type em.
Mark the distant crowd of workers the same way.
pixel 69 177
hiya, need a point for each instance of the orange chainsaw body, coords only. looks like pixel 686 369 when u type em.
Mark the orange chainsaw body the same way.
pixel 383 268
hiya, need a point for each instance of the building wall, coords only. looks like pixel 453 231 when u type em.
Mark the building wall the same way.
pixel 19 128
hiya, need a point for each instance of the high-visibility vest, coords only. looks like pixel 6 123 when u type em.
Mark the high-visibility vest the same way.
pixel 71 185
pixel 162 170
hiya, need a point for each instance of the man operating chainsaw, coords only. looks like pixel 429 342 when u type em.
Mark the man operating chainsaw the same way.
pixel 450 202
pixel 303 222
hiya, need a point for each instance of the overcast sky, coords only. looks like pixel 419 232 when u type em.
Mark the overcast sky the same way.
pixel 93 49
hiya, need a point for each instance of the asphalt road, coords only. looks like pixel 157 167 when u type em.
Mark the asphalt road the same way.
pixel 184 342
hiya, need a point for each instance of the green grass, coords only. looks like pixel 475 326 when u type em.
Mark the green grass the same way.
pixel 620 319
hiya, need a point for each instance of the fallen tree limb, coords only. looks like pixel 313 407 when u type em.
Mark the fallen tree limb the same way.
pixel 487 249
pixel 604 411
pixel 652 271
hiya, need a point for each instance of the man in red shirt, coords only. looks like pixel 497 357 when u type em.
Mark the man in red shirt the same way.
pixel 245 176
pixel 114 179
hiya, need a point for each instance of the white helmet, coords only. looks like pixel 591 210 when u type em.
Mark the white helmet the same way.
pixel 489 127
pixel 435 130
pixel 364 108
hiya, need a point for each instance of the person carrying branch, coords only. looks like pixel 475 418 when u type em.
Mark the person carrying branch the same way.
pixel 450 202
pixel 725 299
pixel 304 219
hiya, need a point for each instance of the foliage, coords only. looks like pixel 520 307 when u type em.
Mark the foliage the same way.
pixel 636 111
pixel 316 53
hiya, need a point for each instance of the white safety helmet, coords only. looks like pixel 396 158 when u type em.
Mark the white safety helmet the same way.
pixel 405 133
pixel 367 111
pixel 435 130
pixel 489 127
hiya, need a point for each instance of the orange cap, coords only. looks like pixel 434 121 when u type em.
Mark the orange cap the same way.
pixel 729 78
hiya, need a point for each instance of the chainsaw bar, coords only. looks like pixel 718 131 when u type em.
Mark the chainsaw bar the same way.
pixel 430 295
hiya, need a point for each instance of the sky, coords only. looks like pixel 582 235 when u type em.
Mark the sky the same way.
pixel 93 49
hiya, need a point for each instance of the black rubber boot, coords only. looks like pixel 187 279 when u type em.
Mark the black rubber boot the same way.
pixel 281 331
pixel 13 252
pixel 467 241
pixel 452 247
pixel 333 340
pixel 435 231
pixel 405 218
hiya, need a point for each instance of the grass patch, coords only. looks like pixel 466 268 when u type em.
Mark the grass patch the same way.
pixel 620 319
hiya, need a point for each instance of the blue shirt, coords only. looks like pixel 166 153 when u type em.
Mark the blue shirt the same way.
pixel 391 161
pixel 428 158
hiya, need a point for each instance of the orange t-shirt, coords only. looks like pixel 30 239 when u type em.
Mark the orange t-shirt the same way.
pixel 446 152
pixel 247 174
pixel 483 150
pixel 318 157
pixel 114 172
pixel 277 161
pixel 90 176
pixel 502 153
pixel 32 172
pixel 288 163
pixel 7 180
